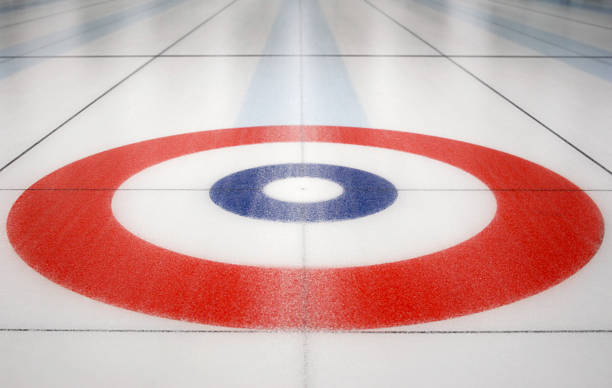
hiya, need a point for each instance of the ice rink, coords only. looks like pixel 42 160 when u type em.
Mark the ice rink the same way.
pixel 305 193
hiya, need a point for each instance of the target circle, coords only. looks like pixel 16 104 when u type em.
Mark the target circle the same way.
pixel 545 229
pixel 243 193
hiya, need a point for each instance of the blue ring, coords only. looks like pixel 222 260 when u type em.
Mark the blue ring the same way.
pixel 364 193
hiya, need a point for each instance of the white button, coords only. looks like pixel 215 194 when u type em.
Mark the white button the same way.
pixel 303 189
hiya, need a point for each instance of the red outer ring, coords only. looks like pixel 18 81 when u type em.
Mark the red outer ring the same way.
pixel 545 229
